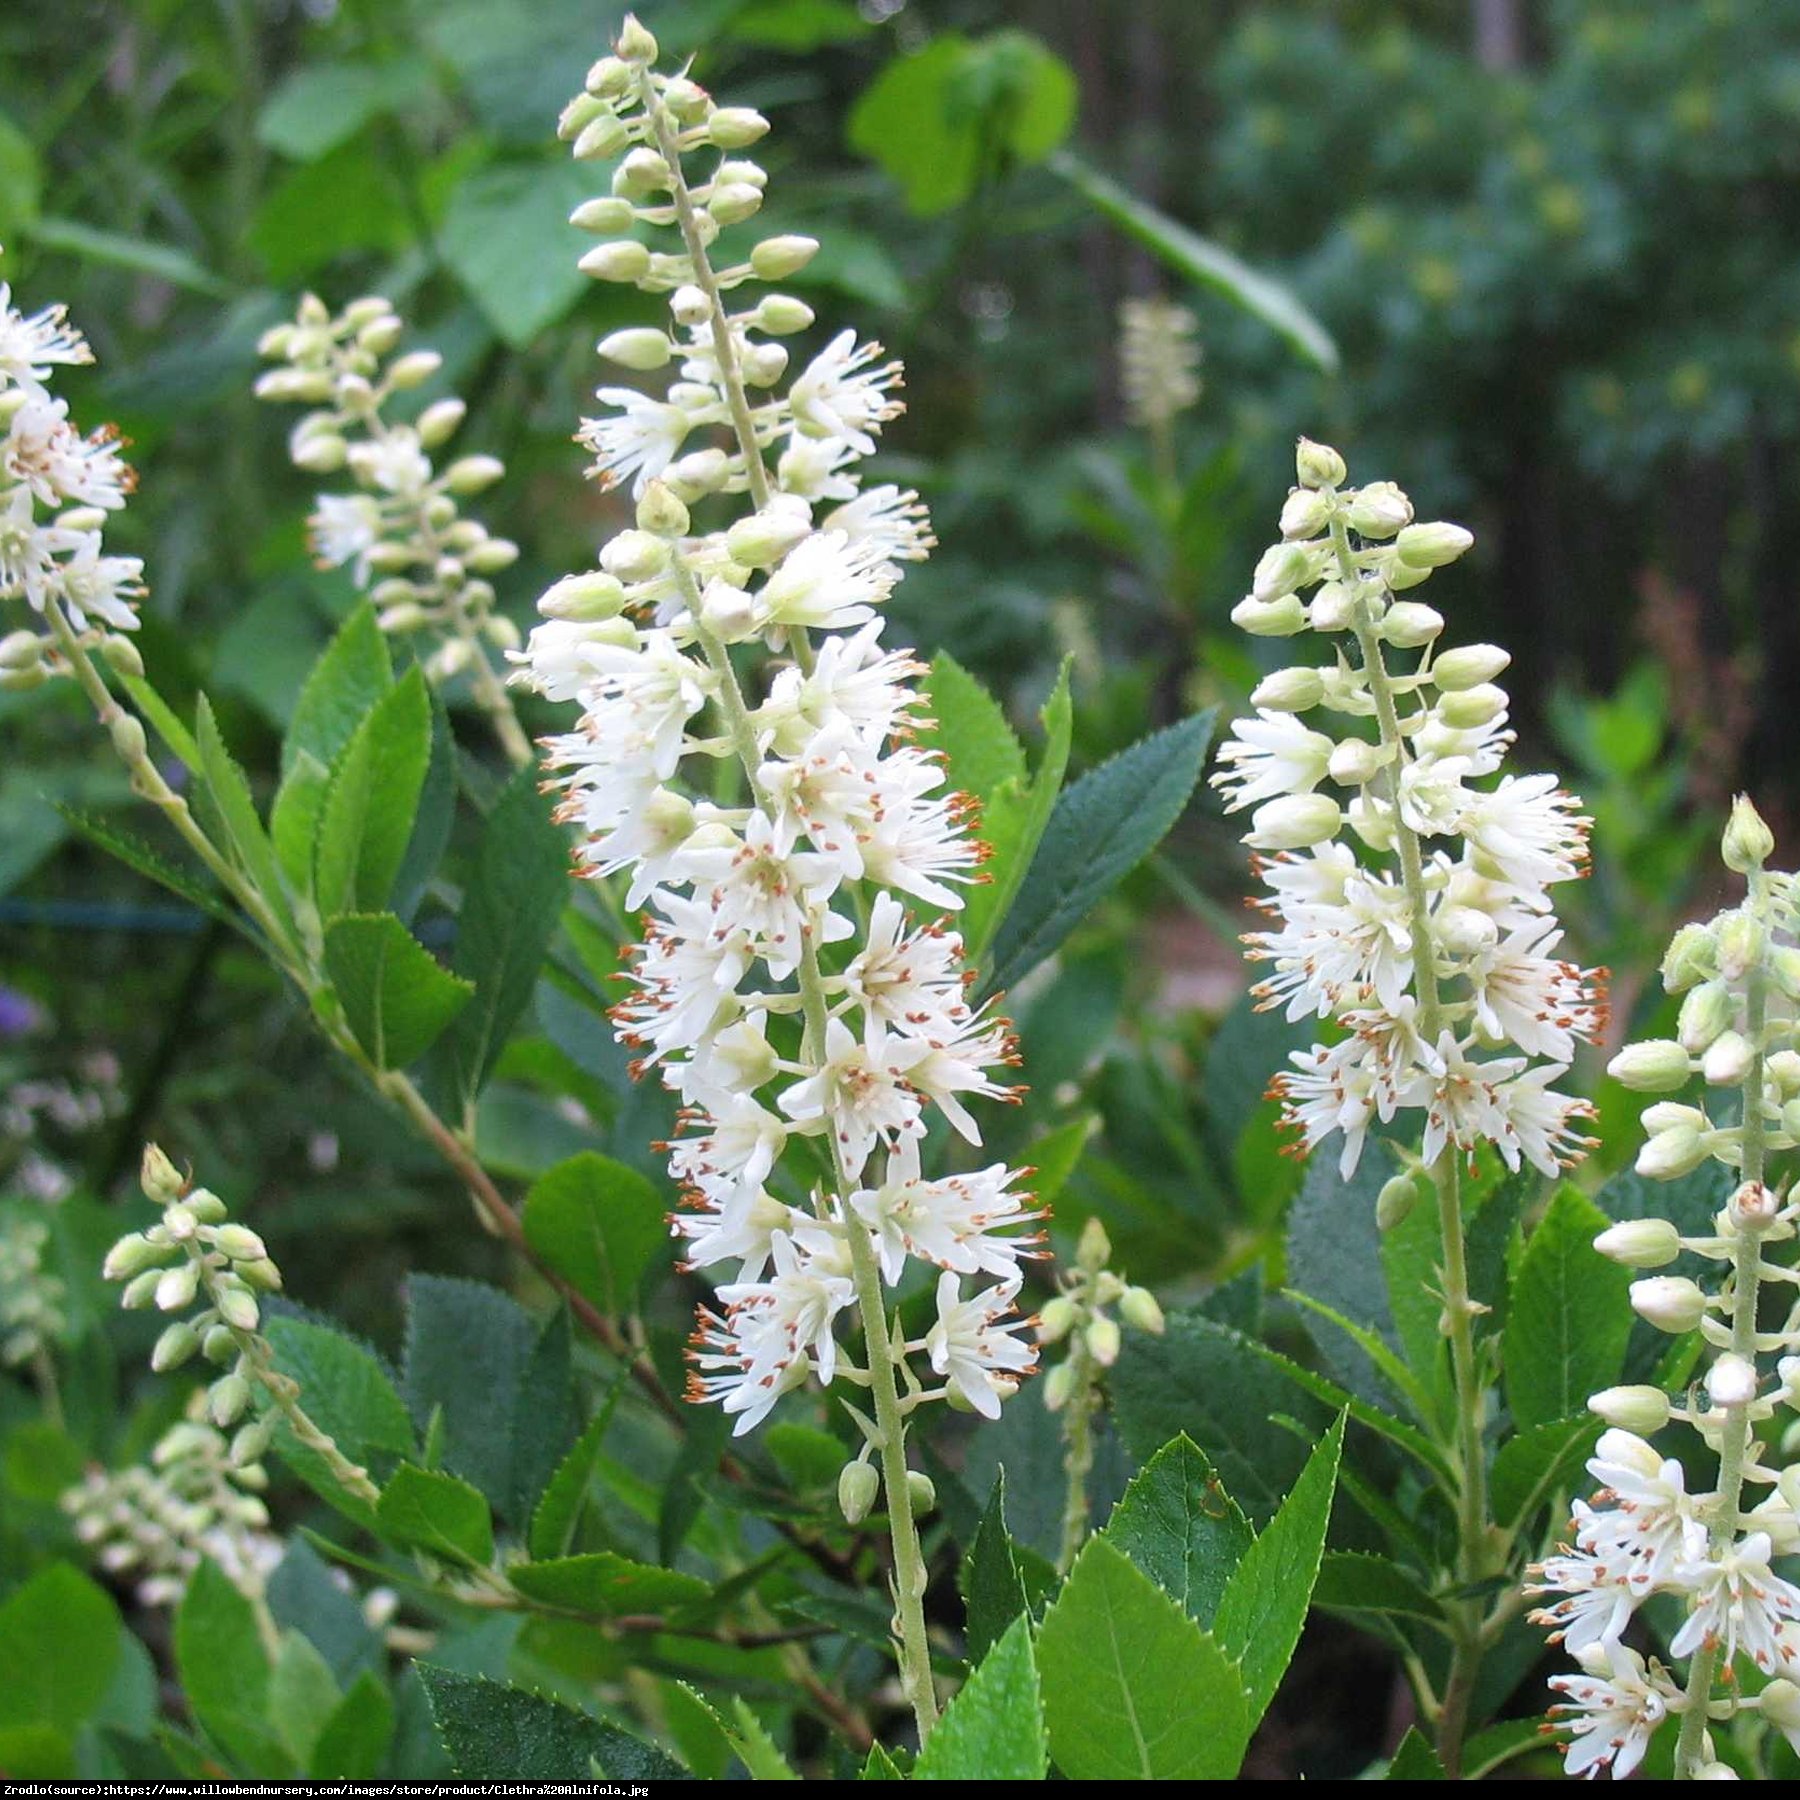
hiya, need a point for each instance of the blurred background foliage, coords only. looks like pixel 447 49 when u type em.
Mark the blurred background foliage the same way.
pixel 1535 261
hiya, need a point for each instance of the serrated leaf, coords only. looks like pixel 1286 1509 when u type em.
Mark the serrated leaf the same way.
pixel 224 1672
pixel 397 998
pixel 1133 1689
pixel 230 792
pixel 1201 260
pixel 475 1396
pixel 1178 1524
pixel 994 1729
pixel 496 1733
pixel 509 913
pixel 553 1522
pixel 546 1421
pixel 603 1584
pixel 599 1224
pixel 1568 1315
pixel 1101 829
pixel 1415 1760
pixel 993 1588
pixel 755 1748
pixel 352 674
pixel 134 853
pixel 1532 1465
pixel 969 729
pixel 165 720
pixel 426 1509
pixel 1354 1581
pixel 1264 1604
pixel 367 816
pixel 352 1744
pixel 302 1695
pixel 60 1638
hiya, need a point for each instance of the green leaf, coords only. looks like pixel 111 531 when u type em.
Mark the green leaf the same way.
pixel 994 1729
pixel 165 720
pixel 880 1766
pixel 367 816
pixel 953 115
pixel 1264 1604
pixel 134 853
pixel 1201 260
pixel 1056 1154
pixel 559 1507
pixel 546 1421
pixel 1178 1524
pixel 350 200
pixel 318 108
pixel 1102 828
pixel 509 913
pixel 507 238
pixel 425 1509
pixel 224 1672
pixel 495 1733
pixel 1014 818
pixel 1353 1581
pixel 477 1396
pixel 1415 1760
pixel 969 730
pixel 1533 1464
pixel 302 1695
pixel 352 674
pixel 993 1588
pixel 352 1744
pixel 126 250
pixel 396 997
pixel 1568 1316
pixel 744 1736
pixel 599 1224
pixel 21 180
pixel 1203 1379
pixel 244 832
pixel 59 1645
pixel 604 1584
pixel 1133 1689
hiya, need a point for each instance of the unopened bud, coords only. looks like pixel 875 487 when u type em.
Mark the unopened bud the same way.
pixel 1753 1206
pixel 239 1243
pixel 1297 689
pixel 128 737
pixel 1692 956
pixel 586 599
pixel 252 1441
pixel 1410 624
pixel 1671 1154
pixel 1640 1243
pixel 1655 1066
pixel 622 260
pixel 635 556
pixel 1669 1302
pixel 140 1290
pixel 176 1287
pixel 1748 842
pixel 1318 465
pixel 1270 618
pixel 858 1484
pixel 1399 1195
pixel 660 513
pixel 1281 569
pixel 1468 665
pixel 635 44
pixel 1305 512
pixel 1706 1011
pixel 641 348
pixel 1139 1309
pixel 922 1491
pixel 736 127
pixel 766 537
pixel 237 1307
pixel 21 650
pixel 1356 762
pixel 1059 1387
pixel 1639 1410
pixel 1727 1060
pixel 177 1343
pixel 1731 1381
pixel 1294 822
pixel 130 1255
pixel 602 137
pixel 227 1400
pixel 1101 1336
pixel 1056 1319
pixel 1378 510
pixel 1780 1702
pixel 776 258
pixel 438 422
pixel 1432 546
pixel 470 474
pixel 1742 939
pixel 1093 1250
pixel 609 78
pixel 781 315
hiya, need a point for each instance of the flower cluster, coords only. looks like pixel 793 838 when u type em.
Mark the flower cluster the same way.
pixel 1081 1313
pixel 32 1298
pixel 155 1521
pixel 1159 360
pixel 1434 944
pixel 57 487
pixel 195 1254
pixel 780 834
pixel 1644 1533
pixel 401 532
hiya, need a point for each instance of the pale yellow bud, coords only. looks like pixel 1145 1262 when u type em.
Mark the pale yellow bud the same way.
pixel 1748 843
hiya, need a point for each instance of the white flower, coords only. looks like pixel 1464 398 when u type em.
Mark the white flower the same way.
pixel 1270 754
pixel 1612 1710
pixel 822 584
pixel 1343 1088
pixel 639 442
pixel 839 395
pixel 1738 1603
pixel 858 1095
pixel 955 1222
pixel 94 586
pixel 344 528
pixel 775 901
pixel 1528 830
pixel 1597 1602
pixel 978 1356
pixel 31 346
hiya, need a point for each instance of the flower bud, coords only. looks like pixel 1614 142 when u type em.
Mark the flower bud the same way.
pixel 1378 510
pixel 177 1343
pixel 176 1287
pixel 858 1484
pixel 1305 513
pixel 781 315
pixel 470 474
pixel 1692 956
pixel 237 1307
pixel 1280 570
pixel 1294 822
pixel 736 127
pixel 1318 465
pixel 922 1491
pixel 1669 1302
pixel 1706 1011
pixel 635 556
pixel 1668 1115
pixel 1399 1195
pixel 239 1243
pixel 1640 1243
pixel 140 1290
pixel 1731 1381
pixel 660 513
pixel 763 364
pixel 413 369
pixel 1783 964
pixel 1753 1206
pixel 602 138
pixel 1468 709
pixel 635 45
pixel 438 422
pixel 766 537
pixel 131 1255
pixel 1466 931
pixel 218 1345
pixel 641 348
pixel 1333 607
pixel 1056 1319
pixel 1355 762
pixel 21 650
pixel 1059 1387
pixel 1432 546
pixel 227 1400
pixel 1748 842
pixel 1727 1060
pixel 1780 1702
pixel 1640 1410
pixel 1093 1251
pixel 1410 624
pixel 1783 1068
pixel 260 1272
pixel 1655 1066
pixel 1742 938
pixel 776 258
pixel 252 1441
pixel 1467 666
pixel 622 260
pixel 128 738
pixel 1298 689
pixel 1139 1309
pixel 1270 618
pixel 609 78
pixel 586 599
pixel 1671 1154
pixel 1102 1339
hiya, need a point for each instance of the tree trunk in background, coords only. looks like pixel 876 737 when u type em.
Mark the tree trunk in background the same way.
pixel 1499 36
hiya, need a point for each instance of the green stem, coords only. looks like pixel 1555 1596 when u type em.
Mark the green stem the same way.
pixel 1078 1450
pixel 1734 1447
pixel 1473 1535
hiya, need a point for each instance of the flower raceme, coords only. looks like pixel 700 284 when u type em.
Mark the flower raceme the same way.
pixel 1409 873
pixel 57 488
pixel 798 984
